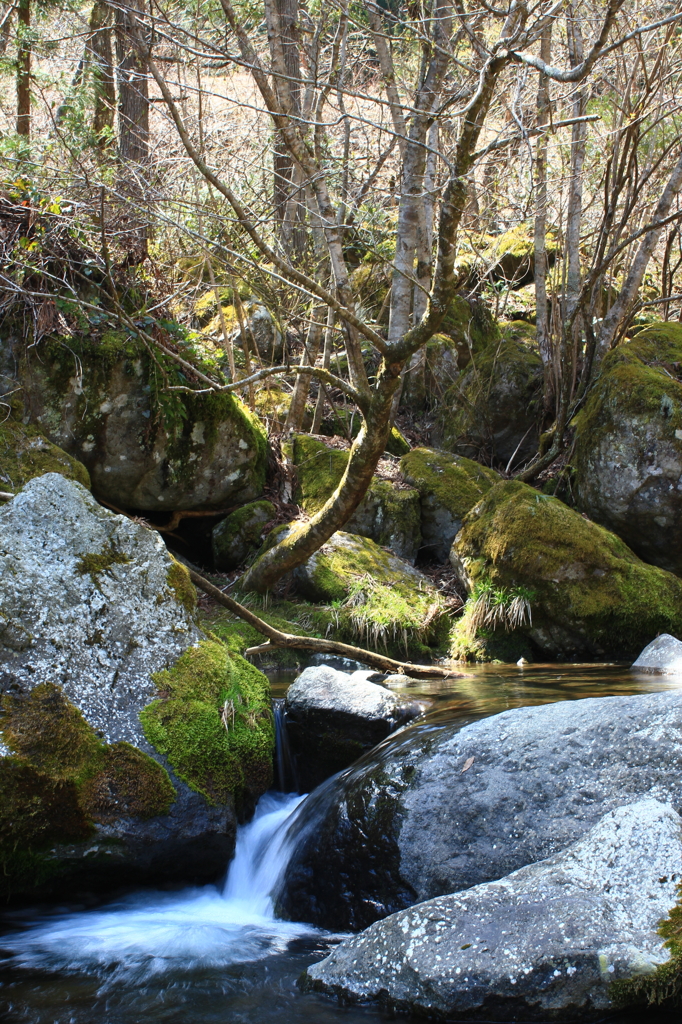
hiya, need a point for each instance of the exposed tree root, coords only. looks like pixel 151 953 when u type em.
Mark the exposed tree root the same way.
pixel 278 639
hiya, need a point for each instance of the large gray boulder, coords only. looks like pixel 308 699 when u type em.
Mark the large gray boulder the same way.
pixel 101 400
pixel 444 808
pixel 114 762
pixel 628 446
pixel 546 942
pixel 663 656
pixel 333 717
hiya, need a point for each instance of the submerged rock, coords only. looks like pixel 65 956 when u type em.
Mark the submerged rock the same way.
pixel 129 740
pixel 538 568
pixel 240 534
pixel 332 718
pixel 449 486
pixel 144 447
pixel 441 809
pixel 663 656
pixel 546 941
pixel 628 454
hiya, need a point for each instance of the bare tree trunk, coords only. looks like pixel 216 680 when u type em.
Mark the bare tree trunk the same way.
pixel 6 28
pixel 296 413
pixel 133 124
pixel 575 193
pixel 540 239
pixel 133 89
pixel 103 73
pixel 24 70
pixel 281 20
pixel 326 363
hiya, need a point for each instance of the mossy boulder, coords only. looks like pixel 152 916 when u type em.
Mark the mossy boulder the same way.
pixel 106 402
pixel 381 598
pixel 628 450
pixel 492 412
pixel 25 453
pixel 389 514
pixel 449 486
pixel 97 632
pixel 513 253
pixel 241 533
pixel 536 568
pixel 259 325
pixel 471 326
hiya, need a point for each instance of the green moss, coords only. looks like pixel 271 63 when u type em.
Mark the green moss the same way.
pixel 60 780
pixel 25 454
pixel 179 581
pixel 587 584
pixel 472 327
pixel 449 480
pixel 213 721
pixel 639 378
pixel 397 443
pixel 376 598
pixel 96 562
pixel 318 471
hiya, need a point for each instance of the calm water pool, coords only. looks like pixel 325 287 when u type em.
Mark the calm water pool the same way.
pixel 216 954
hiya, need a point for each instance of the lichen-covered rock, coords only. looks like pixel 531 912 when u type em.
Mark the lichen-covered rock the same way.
pixel 241 533
pixel 545 942
pixel 493 409
pixel 333 717
pixel 663 656
pixel 25 453
pixel 97 631
pixel 259 326
pixel 389 514
pixel 449 486
pixel 441 809
pixel 539 569
pixel 628 452
pixel 105 402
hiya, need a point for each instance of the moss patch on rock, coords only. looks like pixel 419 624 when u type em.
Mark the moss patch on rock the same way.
pixel 25 453
pixel 179 581
pixel 376 599
pixel 213 721
pixel 589 595
pixel 662 987
pixel 61 779
pixel 452 481
pixel 95 562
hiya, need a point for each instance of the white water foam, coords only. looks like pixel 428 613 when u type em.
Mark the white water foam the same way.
pixel 152 933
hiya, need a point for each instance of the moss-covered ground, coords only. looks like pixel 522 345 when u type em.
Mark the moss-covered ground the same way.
pixel 60 780
pixel 213 721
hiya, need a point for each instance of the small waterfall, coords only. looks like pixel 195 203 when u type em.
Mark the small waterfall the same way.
pixel 286 776
pixel 149 934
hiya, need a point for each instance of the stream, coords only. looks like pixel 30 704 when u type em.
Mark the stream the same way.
pixel 218 953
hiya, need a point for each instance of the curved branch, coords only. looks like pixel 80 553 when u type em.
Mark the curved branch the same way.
pixel 277 638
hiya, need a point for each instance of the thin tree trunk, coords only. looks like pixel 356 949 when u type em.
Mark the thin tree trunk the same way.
pixel 103 73
pixel 24 70
pixel 540 239
pixel 326 363
pixel 281 20
pixel 296 413
pixel 575 193
pixel 133 89
pixel 6 28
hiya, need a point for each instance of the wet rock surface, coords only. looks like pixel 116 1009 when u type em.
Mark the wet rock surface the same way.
pixel 545 942
pixel 332 718
pixel 421 818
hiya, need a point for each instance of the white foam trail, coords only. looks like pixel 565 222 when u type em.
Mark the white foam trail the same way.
pixel 151 933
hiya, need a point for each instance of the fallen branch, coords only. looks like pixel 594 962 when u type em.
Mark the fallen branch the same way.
pixel 276 638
